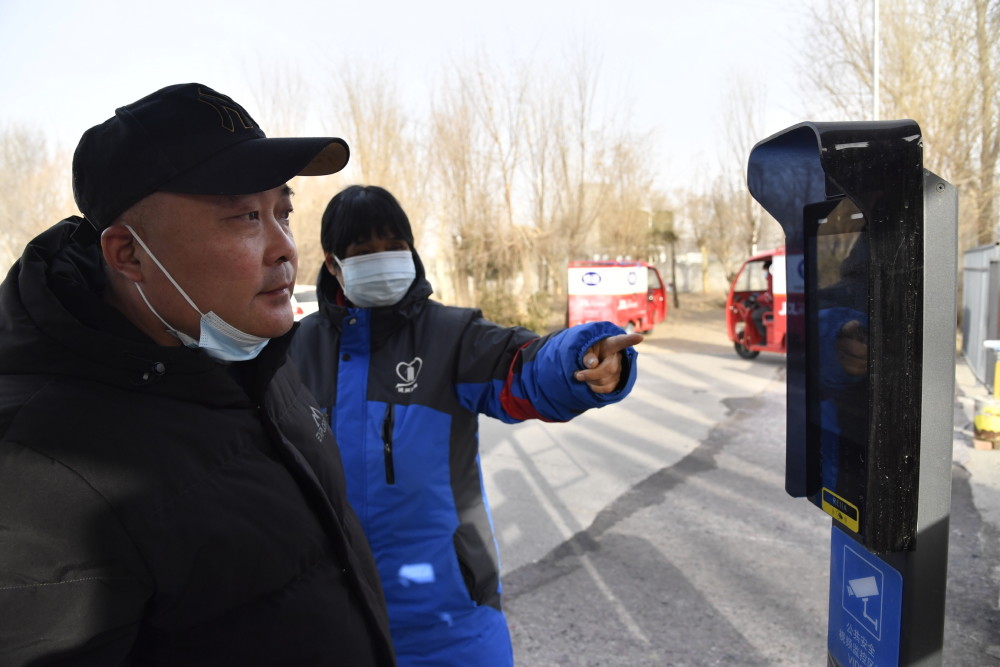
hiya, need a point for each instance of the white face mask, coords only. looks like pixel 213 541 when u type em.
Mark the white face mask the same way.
pixel 378 278
pixel 218 338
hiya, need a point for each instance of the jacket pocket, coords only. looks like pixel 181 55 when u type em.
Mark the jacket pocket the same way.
pixel 478 564
pixel 387 426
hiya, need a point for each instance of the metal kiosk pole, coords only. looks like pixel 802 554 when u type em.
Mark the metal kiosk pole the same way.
pixel 871 247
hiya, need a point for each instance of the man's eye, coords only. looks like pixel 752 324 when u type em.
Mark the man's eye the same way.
pixel 252 215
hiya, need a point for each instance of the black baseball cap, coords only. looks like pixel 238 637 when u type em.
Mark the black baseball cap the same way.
pixel 188 138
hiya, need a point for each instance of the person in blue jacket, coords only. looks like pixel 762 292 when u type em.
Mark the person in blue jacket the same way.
pixel 403 380
pixel 842 331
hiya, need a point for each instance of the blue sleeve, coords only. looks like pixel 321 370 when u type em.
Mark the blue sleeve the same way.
pixel 545 377
pixel 513 375
pixel 833 378
pixel 485 355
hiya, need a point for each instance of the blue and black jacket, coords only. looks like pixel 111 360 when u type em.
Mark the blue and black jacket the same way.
pixel 404 386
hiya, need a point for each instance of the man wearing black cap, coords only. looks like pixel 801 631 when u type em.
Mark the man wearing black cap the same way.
pixel 169 492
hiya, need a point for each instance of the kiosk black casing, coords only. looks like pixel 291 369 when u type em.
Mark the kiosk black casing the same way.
pixel 868 178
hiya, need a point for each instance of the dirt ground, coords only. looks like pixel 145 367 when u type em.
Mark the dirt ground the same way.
pixel 697 314
pixel 698 325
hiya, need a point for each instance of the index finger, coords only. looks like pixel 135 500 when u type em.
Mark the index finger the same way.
pixel 613 344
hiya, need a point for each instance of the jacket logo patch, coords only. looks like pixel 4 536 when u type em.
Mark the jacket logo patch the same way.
pixel 416 573
pixel 321 424
pixel 408 373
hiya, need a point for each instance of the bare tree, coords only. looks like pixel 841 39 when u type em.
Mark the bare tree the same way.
pixel 743 114
pixel 695 212
pixel 279 92
pixel 361 104
pixel 366 106
pixel 709 215
pixel 986 64
pixel 589 173
pixel 627 229
pixel 939 65
pixel 34 188
pixel 666 233
pixel 282 108
pixel 579 152
pixel 524 175
pixel 474 125
pixel 726 222
pixel 726 206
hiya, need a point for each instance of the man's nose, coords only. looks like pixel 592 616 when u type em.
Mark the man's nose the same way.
pixel 281 245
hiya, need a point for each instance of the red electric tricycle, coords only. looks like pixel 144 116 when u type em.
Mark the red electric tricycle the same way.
pixel 756 305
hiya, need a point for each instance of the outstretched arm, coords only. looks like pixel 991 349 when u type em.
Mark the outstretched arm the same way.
pixel 512 374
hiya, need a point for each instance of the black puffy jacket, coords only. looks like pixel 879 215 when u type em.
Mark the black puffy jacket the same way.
pixel 158 507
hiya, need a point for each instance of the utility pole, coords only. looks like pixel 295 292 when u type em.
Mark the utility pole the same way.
pixel 663 229
pixel 875 58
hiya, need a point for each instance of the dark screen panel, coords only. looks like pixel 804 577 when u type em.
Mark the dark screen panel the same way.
pixel 837 286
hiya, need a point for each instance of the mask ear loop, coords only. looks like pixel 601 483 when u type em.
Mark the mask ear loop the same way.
pixel 177 333
pixel 340 277
pixel 165 272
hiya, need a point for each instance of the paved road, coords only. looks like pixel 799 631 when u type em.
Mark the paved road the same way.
pixel 657 531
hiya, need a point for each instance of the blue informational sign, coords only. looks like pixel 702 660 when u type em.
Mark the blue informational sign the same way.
pixel 866 603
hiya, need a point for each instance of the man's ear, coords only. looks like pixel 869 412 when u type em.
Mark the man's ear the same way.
pixel 119 249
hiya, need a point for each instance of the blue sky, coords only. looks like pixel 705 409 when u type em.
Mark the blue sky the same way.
pixel 68 64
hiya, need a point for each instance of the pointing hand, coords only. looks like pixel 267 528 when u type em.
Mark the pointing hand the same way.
pixel 604 363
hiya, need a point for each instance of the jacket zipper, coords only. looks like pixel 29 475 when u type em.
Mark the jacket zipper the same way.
pixel 390 471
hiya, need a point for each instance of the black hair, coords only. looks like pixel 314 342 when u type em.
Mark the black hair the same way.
pixel 358 213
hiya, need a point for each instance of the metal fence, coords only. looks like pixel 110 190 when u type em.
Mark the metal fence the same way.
pixel 981 309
